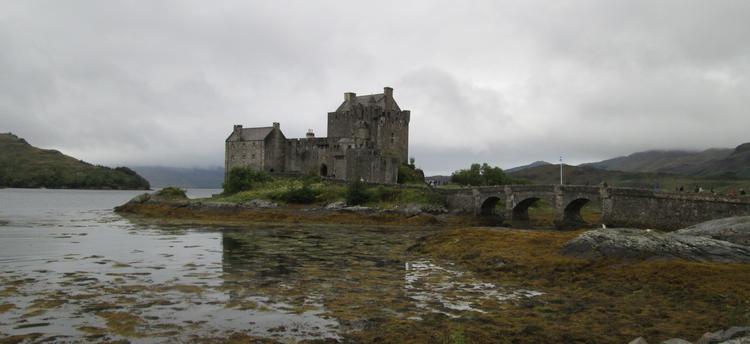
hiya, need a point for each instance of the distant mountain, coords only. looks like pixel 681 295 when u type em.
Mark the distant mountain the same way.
pixel 583 175
pixel 710 162
pixel 735 165
pixel 533 164
pixel 161 176
pixel 25 166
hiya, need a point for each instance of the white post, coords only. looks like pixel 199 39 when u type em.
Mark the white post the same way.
pixel 561 168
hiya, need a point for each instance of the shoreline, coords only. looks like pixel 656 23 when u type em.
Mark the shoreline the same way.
pixel 218 213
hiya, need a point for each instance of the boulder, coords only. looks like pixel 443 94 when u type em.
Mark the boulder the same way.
pixel 336 205
pixel 259 203
pixel 639 340
pixel 357 208
pixel 676 341
pixel 732 335
pixel 733 229
pixel 647 244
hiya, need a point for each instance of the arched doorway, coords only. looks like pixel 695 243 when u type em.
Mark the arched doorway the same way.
pixel 323 170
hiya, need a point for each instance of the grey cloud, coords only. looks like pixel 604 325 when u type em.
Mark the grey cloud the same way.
pixel 505 82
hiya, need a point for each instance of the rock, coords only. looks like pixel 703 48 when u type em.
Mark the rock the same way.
pixel 259 203
pixel 434 209
pixel 357 208
pixel 676 341
pixel 639 340
pixel 411 209
pixel 733 229
pixel 336 205
pixel 140 199
pixel 710 338
pixel 648 244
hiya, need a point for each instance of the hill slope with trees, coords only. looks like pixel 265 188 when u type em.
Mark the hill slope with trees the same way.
pixel 25 166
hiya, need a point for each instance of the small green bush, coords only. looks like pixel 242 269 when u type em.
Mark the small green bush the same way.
pixel 171 192
pixel 299 195
pixel 244 179
pixel 357 193
pixel 383 193
pixel 409 174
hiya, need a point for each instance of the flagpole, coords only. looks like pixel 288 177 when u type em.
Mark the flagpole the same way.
pixel 561 164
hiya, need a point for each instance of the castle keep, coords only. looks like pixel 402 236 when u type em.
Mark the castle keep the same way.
pixel 368 139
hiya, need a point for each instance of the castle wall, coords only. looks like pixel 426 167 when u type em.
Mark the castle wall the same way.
pixel 388 131
pixel 244 154
pixel 275 152
pixel 307 155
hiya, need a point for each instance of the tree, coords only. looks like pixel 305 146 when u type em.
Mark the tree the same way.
pixel 481 175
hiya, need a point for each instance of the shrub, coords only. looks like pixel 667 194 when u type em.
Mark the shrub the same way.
pixel 244 179
pixel 408 174
pixel 383 194
pixel 300 195
pixel 357 193
pixel 171 192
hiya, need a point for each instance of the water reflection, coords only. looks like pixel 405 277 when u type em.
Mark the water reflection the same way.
pixel 71 269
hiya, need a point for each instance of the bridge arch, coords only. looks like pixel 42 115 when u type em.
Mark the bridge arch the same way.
pixel 489 205
pixel 521 209
pixel 572 212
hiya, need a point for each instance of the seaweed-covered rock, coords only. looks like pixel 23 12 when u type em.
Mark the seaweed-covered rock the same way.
pixel 647 244
pixel 733 229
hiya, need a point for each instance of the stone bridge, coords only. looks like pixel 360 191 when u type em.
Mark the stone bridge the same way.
pixel 620 207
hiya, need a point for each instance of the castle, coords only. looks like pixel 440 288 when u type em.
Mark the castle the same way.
pixel 368 139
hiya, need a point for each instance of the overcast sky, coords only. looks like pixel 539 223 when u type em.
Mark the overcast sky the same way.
pixel 506 82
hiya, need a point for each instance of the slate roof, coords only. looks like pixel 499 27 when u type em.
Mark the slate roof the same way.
pixel 369 99
pixel 253 134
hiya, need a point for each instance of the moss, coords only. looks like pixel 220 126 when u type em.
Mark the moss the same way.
pixel 5 307
pixel 608 300
pixel 123 324
pixel 171 192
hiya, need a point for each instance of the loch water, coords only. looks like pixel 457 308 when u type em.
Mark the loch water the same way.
pixel 73 270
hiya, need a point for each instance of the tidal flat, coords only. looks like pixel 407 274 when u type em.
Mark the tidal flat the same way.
pixel 72 270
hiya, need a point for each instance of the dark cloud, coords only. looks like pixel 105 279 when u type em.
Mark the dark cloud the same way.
pixel 162 82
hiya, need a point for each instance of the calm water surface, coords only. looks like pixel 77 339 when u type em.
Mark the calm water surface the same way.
pixel 72 270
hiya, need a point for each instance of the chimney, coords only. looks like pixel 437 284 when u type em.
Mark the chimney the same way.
pixel 349 96
pixel 388 92
pixel 237 128
pixel 276 125
pixel 310 134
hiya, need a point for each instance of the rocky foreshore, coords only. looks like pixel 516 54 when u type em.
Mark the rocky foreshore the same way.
pixel 732 335
pixel 724 240
pixel 259 210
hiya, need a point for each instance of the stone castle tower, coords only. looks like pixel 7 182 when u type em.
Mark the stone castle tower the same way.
pixel 368 138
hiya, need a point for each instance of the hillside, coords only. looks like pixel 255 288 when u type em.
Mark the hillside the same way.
pixel 736 165
pixel 586 175
pixel 25 166
pixel 722 162
pixel 533 164
pixel 161 176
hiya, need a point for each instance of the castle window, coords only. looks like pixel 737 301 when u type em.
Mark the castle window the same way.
pixel 253 156
pixel 393 138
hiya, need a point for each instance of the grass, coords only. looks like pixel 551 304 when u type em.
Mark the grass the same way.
pixel 381 196
pixel 593 301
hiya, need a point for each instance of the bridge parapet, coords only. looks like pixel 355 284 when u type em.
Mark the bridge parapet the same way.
pixel 626 207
